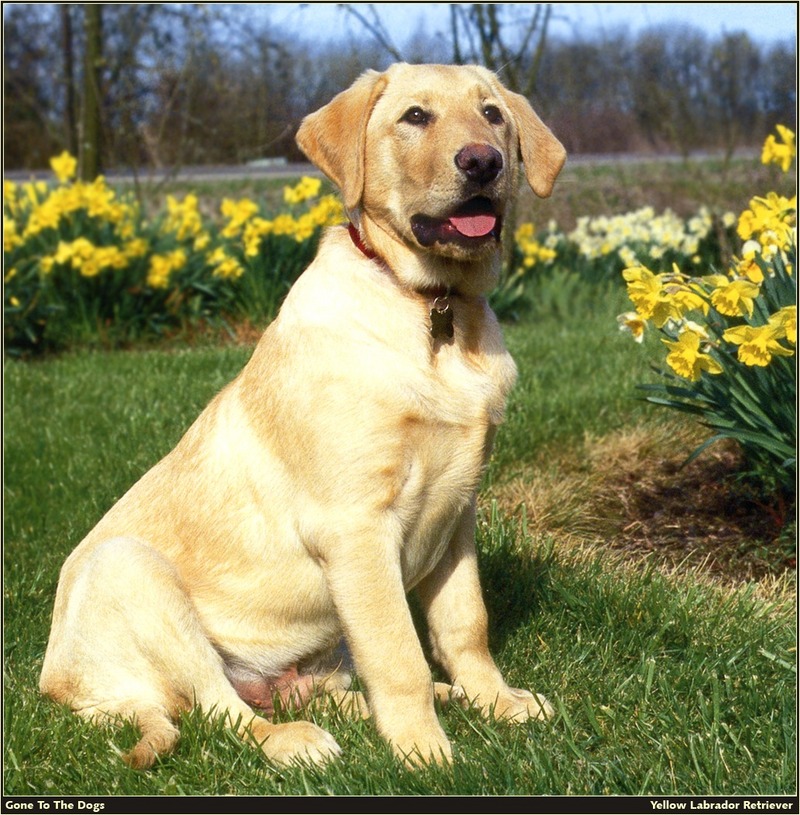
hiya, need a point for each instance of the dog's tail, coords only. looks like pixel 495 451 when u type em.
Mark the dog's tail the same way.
pixel 159 736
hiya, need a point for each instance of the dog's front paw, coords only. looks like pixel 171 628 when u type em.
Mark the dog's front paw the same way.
pixel 297 742
pixel 418 749
pixel 516 706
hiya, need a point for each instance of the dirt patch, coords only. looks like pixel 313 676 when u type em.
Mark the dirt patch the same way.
pixel 698 514
pixel 634 493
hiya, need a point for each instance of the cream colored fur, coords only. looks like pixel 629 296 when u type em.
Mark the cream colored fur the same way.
pixel 335 474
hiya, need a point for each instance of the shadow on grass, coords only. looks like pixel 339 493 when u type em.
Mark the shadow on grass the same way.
pixel 515 579
pixel 515 575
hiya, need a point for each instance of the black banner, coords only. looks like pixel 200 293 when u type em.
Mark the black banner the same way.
pixel 548 805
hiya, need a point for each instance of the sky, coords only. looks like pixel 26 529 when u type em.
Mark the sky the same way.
pixel 764 22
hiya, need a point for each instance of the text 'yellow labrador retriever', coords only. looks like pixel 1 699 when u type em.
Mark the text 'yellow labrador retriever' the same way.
pixel 338 471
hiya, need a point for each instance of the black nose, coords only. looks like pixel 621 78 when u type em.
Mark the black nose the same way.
pixel 480 163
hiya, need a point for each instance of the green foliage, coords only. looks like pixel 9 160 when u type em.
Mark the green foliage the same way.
pixel 732 337
pixel 85 268
pixel 753 404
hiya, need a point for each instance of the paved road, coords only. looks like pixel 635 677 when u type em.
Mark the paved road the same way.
pixel 280 169
pixel 189 174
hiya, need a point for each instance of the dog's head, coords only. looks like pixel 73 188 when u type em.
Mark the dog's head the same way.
pixel 427 159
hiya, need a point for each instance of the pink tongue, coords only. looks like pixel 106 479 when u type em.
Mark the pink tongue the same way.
pixel 473 226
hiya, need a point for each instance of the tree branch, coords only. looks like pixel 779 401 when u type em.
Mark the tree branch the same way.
pixel 374 27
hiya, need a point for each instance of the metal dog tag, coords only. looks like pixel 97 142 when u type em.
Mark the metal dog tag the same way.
pixel 442 319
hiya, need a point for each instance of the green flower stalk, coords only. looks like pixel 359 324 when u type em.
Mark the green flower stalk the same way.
pixel 731 336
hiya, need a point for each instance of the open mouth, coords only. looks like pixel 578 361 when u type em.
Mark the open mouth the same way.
pixel 474 222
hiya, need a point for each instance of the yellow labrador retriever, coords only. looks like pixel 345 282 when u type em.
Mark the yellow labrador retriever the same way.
pixel 338 471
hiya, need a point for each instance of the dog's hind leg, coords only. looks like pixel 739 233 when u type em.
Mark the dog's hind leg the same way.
pixel 127 642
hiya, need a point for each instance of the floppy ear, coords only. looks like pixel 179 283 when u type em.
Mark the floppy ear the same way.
pixel 334 137
pixel 542 153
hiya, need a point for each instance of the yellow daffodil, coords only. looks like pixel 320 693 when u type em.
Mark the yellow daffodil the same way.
pixel 162 267
pixel 306 188
pixel 64 166
pixel 734 298
pixel 224 265
pixel 645 290
pixel 136 248
pixel 11 200
pixel 786 321
pixel 183 217
pixel 662 297
pixel 633 324
pixel 201 241
pixel 81 254
pixel 779 152
pixel 532 250
pixel 758 345
pixel 11 237
pixel 254 233
pixel 769 220
pixel 230 268
pixel 237 213
pixel 685 294
pixel 96 199
pixel 328 211
pixel 686 357
pixel 748 266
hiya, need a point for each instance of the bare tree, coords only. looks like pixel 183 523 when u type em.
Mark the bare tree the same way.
pixel 733 69
pixel 89 159
pixel 200 83
pixel 70 98
pixel 508 38
pixel 371 20
pixel 31 131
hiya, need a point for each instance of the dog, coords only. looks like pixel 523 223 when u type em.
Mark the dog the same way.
pixel 339 470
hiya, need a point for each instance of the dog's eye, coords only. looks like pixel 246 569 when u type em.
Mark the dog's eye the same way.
pixel 416 116
pixel 493 115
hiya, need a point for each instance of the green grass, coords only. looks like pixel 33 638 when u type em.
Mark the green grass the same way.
pixel 662 684
pixel 617 187
pixel 577 374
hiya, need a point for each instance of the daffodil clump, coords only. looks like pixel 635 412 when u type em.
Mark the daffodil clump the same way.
pixel 645 235
pixel 730 338
pixel 534 252
pixel 264 255
pixel 598 248
pixel 547 266
pixel 71 251
pixel 83 264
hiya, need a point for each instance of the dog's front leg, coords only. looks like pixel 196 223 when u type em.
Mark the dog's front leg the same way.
pixel 457 619
pixel 365 580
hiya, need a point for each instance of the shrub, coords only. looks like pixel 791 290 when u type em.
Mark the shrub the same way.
pixel 84 266
pixel 731 337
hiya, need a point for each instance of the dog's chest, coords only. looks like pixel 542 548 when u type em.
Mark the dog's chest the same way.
pixel 446 453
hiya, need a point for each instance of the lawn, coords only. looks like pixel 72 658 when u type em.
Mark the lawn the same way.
pixel 667 677
pixel 664 683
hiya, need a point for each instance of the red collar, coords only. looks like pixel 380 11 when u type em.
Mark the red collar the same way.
pixel 356 238
pixel 434 292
